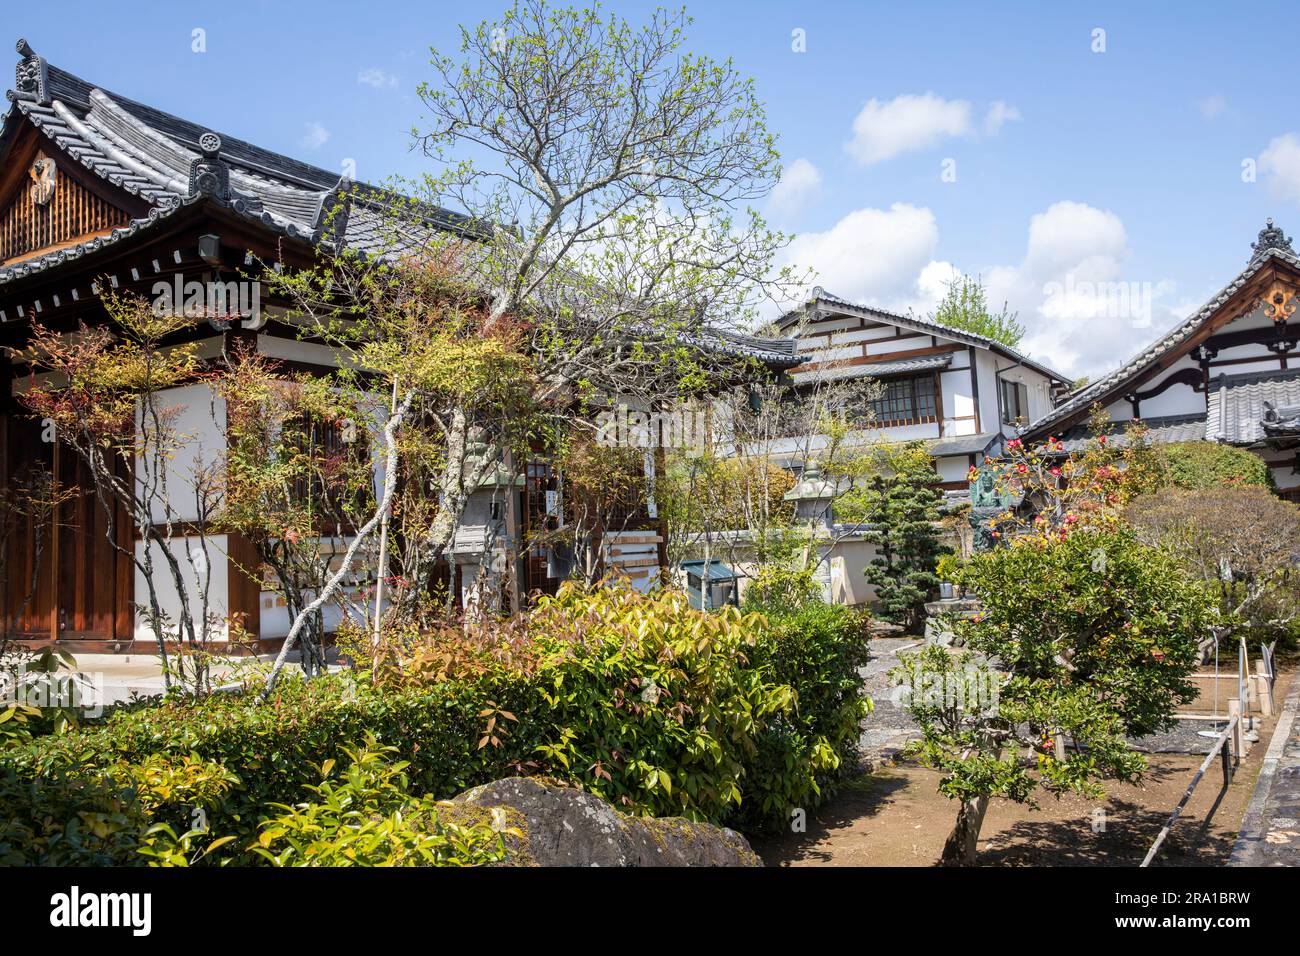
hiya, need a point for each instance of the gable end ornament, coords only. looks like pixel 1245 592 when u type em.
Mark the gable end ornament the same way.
pixel 1279 301
pixel 1270 237
pixel 209 175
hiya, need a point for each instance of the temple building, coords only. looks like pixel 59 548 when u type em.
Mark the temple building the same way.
pixel 100 192
pixel 1229 373
pixel 963 395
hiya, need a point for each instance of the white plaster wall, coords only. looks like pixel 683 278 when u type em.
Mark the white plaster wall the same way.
pixel 908 432
pixel 197 428
pixel 275 615
pixel 958 402
pixel 985 370
pixel 190 554
pixel 905 344
pixel 952 467
pixel 862 335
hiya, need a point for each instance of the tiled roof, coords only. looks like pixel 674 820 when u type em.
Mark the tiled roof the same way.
pixel 1161 430
pixel 789 452
pixel 1237 405
pixel 820 296
pixel 1084 397
pixel 776 351
pixel 834 372
pixel 962 444
pixel 152 155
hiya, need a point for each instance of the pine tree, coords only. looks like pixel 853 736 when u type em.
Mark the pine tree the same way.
pixel 900 506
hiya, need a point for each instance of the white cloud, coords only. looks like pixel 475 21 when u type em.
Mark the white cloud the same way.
pixel 1212 106
pixel 1083 310
pixel 999 113
pixel 377 78
pixel 873 256
pixel 1280 164
pixel 799 182
pixel 904 124
pixel 883 130
pixel 315 137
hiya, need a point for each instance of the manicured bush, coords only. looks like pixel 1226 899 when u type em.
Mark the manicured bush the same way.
pixel 1205 464
pixel 817 649
pixel 1085 635
pixel 650 704
pixel 80 816
pixel 276 749
pixel 899 506
pixel 369 817
pixel 655 706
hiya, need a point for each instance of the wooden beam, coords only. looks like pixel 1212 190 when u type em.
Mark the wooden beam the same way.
pixel 878 359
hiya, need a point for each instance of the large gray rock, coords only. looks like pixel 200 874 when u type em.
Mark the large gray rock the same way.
pixel 564 826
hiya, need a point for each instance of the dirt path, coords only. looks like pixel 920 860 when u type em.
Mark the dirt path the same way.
pixel 895 816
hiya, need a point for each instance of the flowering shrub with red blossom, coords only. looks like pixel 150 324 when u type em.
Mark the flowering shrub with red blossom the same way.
pixel 1061 492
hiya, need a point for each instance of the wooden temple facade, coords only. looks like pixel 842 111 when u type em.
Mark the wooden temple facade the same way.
pixel 98 188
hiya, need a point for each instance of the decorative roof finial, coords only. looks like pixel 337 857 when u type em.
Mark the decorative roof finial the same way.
pixel 335 210
pixel 209 175
pixel 31 80
pixel 1270 237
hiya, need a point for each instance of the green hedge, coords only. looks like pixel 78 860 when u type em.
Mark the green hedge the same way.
pixel 818 649
pixel 658 708
pixel 1205 464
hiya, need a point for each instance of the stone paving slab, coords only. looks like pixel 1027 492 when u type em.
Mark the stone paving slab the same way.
pixel 1270 828
pixel 889 728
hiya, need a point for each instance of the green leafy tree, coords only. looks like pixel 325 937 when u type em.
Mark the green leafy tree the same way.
pixel 607 177
pixel 1087 638
pixel 965 306
pixel 898 504
pixel 1242 541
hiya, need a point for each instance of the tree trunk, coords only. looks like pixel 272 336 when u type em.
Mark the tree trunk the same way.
pixel 960 847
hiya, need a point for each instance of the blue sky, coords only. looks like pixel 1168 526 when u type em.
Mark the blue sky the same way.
pixel 1071 166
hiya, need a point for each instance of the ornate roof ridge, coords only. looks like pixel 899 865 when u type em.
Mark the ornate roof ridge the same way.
pixel 1171 339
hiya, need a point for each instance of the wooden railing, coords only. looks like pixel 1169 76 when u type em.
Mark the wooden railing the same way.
pixel 1229 760
pixel 1230 745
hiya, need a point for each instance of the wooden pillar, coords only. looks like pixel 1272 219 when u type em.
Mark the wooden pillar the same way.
pixel 244 584
pixel 56 591
pixel 938 400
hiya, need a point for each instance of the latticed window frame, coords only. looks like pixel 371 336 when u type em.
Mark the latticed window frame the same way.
pixel 911 400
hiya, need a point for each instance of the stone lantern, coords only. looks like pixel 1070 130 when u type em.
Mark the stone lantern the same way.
pixel 813 497
pixel 483 532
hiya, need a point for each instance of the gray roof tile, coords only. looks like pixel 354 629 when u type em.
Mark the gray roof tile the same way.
pixel 1161 430
pixel 1237 404
pixel 962 444
pixel 833 372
